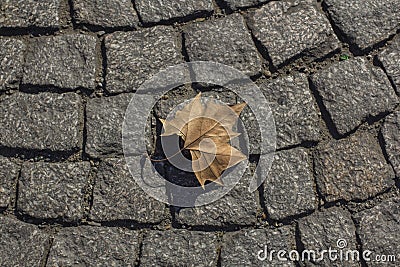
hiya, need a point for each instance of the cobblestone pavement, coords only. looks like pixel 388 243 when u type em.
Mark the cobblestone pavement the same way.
pixel 330 69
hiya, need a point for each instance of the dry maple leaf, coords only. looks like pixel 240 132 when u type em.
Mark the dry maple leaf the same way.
pixel 207 130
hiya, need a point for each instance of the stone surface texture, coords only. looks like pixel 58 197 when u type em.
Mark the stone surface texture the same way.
pixel 115 13
pixel 353 91
pixel 226 41
pixel 134 57
pixel 164 10
pixel 11 62
pixel 65 61
pixel 29 13
pixel 295 110
pixel 104 124
pixel 241 248
pixel 53 190
pixel 288 29
pixel 21 244
pixel 117 196
pixel 364 22
pixel 289 187
pixel 238 207
pixel 94 246
pixel 332 228
pixel 43 121
pixel 352 169
pixel 179 248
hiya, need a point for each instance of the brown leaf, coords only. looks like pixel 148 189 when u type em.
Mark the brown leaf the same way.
pixel 207 130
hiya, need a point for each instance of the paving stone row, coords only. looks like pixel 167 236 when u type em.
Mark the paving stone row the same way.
pixel 53 190
pixel 364 22
pixel 117 246
pixel 43 121
pixel 353 91
pixel 288 29
pixel 353 168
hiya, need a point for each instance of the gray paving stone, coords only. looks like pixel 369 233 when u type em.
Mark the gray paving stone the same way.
pixel 289 187
pixel 365 22
pixel 43 121
pixel 11 61
pixel 29 13
pixel 118 197
pixel 324 230
pixel 237 207
pixel 390 58
pixel 21 244
pixel 115 13
pixel 134 57
pixel 352 169
pixel 250 122
pixel 164 10
pixel 225 41
pixel 104 121
pixel 94 246
pixel 104 118
pixel 9 172
pixel 391 135
pixel 243 247
pixel 235 4
pixel 179 248
pixel 380 231
pixel 291 28
pixel 53 190
pixel 295 111
pixel 353 91
pixel 65 61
